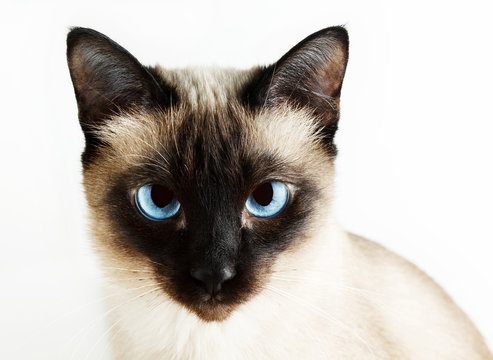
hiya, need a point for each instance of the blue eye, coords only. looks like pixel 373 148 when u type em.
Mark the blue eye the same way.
pixel 156 202
pixel 268 199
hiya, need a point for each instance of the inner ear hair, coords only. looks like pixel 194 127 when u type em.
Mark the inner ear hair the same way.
pixel 107 79
pixel 309 76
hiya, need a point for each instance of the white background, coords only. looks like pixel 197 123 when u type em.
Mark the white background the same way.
pixel 414 170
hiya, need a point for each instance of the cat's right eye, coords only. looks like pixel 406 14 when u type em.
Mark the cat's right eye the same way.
pixel 156 202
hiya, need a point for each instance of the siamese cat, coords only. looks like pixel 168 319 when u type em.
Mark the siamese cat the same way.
pixel 210 194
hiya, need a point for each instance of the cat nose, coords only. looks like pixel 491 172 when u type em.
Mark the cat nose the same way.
pixel 213 280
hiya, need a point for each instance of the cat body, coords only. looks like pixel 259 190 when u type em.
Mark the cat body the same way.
pixel 214 278
pixel 372 313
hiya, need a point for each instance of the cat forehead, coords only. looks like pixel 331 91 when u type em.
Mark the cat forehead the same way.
pixel 233 134
pixel 203 88
pixel 209 115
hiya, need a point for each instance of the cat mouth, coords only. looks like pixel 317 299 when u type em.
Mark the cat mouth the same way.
pixel 212 307
pixel 208 307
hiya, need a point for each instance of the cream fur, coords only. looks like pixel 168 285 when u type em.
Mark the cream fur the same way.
pixel 331 296
pixel 360 302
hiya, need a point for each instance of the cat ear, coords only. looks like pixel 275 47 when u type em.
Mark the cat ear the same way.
pixel 107 79
pixel 309 76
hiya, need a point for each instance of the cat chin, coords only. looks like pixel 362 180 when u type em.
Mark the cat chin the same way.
pixel 213 311
pixel 210 309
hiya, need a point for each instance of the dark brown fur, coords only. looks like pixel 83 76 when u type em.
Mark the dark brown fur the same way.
pixel 143 127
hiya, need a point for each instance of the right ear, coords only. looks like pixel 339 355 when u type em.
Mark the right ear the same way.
pixel 308 76
pixel 108 80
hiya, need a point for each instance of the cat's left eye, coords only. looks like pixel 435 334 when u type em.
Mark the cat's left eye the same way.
pixel 156 202
pixel 268 199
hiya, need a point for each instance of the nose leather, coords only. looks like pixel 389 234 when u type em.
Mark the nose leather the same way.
pixel 213 280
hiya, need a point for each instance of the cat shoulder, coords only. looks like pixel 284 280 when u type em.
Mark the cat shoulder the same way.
pixel 407 296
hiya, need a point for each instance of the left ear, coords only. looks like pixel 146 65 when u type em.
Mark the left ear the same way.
pixel 309 76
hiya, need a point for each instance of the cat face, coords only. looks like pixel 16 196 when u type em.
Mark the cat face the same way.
pixel 206 176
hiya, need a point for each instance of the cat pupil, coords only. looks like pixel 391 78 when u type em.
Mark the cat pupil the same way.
pixel 161 195
pixel 263 194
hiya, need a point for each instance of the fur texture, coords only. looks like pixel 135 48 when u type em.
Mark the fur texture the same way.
pixel 303 288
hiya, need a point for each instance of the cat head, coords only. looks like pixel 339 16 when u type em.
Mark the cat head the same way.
pixel 206 177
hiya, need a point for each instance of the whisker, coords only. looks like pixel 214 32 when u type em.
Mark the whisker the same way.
pixel 173 132
pixel 156 150
pixel 92 303
pixel 101 338
pixel 116 280
pixel 321 312
pixel 125 269
pixel 43 328
pixel 383 302
pixel 372 296
pixel 151 309
pixel 152 163
pixel 88 327
pixel 157 263
pixel 321 281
